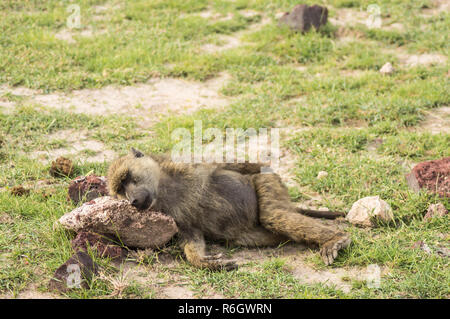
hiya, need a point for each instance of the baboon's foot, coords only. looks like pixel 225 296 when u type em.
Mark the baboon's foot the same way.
pixel 216 262
pixel 330 249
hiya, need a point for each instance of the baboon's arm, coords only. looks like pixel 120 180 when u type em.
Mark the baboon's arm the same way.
pixel 194 249
pixel 242 168
pixel 320 213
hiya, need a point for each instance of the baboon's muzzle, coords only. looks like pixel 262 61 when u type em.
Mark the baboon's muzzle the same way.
pixel 141 199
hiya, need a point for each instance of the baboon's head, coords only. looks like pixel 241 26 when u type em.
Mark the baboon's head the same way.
pixel 134 177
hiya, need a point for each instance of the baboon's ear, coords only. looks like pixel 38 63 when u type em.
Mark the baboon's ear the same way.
pixel 136 153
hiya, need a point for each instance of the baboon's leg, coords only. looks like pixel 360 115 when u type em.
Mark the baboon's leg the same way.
pixel 260 237
pixel 194 249
pixel 278 214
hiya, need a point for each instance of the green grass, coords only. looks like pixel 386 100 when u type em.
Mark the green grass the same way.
pixel 344 112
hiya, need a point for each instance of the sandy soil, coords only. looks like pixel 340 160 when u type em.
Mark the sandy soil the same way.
pixel 437 121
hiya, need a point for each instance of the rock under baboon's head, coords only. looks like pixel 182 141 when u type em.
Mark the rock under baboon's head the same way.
pixel 134 177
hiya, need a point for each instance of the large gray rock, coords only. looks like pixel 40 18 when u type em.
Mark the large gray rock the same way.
pixel 109 216
pixel 366 211
pixel 303 17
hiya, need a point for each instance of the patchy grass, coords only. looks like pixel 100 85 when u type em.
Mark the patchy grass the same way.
pixel 321 83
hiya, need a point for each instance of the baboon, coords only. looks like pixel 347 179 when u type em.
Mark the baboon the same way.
pixel 220 202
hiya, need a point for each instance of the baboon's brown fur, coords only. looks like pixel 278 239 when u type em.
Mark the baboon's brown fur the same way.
pixel 225 202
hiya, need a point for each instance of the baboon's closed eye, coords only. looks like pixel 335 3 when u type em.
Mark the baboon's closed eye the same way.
pixel 136 178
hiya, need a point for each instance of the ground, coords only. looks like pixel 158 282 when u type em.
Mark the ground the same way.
pixel 136 70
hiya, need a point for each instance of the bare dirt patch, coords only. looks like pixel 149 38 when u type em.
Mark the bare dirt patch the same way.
pixel 229 42
pixel 172 284
pixel 296 256
pixel 413 60
pixel 235 40
pixel 346 18
pixel 422 59
pixel 32 292
pixel 437 121
pixel 177 292
pixel 69 35
pixel 19 91
pixel 396 26
pixel 438 6
pixel 106 7
pixel 349 17
pixel 161 279
pixel 216 16
pixel 147 101
pixel 340 278
pixel 6 106
pixel 158 96
pixel 78 142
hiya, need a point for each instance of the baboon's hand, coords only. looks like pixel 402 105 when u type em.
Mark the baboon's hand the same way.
pixel 330 249
pixel 215 262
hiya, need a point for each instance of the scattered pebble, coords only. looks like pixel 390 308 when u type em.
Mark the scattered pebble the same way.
pixel 387 69
pixel 322 174
pixel 367 210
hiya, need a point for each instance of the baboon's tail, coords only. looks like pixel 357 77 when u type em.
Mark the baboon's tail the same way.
pixel 320 213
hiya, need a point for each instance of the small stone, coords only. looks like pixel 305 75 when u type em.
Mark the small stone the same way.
pixel 87 188
pixel 102 246
pixel 118 218
pixel 303 17
pixel 75 273
pixel 435 210
pixel 322 174
pixel 367 210
pixel 387 69
pixel 19 191
pixel 61 167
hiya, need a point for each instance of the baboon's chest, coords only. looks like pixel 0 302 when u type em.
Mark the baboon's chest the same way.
pixel 236 200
